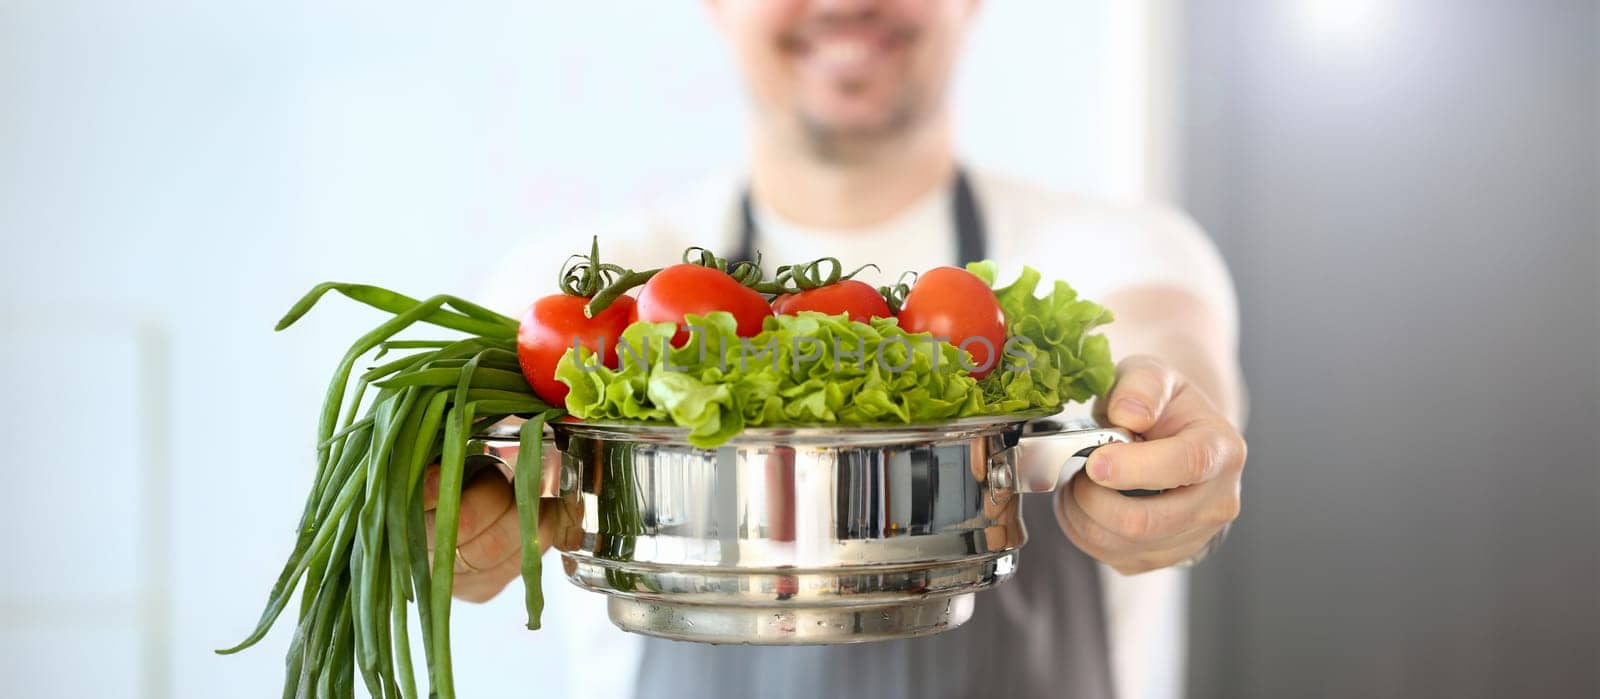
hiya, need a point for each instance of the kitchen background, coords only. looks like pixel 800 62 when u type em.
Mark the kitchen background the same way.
pixel 1406 192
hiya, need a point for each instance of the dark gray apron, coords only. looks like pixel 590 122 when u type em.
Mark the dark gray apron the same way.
pixel 1042 634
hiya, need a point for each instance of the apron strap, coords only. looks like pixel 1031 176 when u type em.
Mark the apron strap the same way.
pixel 972 238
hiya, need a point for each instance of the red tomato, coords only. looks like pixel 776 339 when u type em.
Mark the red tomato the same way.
pixel 549 328
pixel 683 289
pixel 954 304
pixel 857 299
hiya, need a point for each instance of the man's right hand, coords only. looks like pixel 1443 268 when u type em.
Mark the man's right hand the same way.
pixel 488 549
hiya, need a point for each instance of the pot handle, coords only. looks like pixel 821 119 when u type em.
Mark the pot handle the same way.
pixel 1056 448
pixel 559 476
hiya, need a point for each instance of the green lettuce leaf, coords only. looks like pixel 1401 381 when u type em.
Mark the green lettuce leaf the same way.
pixel 1064 363
pixel 816 369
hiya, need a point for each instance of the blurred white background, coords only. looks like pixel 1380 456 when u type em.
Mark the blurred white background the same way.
pixel 174 174
pixel 1408 195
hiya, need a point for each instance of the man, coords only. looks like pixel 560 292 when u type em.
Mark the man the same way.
pixel 852 156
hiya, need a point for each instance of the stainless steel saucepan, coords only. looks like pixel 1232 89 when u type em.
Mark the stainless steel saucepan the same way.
pixel 802 535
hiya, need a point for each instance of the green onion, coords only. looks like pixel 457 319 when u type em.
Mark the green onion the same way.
pixel 360 554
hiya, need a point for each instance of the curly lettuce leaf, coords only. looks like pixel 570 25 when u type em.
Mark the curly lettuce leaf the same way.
pixel 1065 363
pixel 815 369
pixel 805 369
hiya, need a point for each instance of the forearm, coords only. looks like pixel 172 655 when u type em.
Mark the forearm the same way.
pixel 1182 332
pixel 1177 387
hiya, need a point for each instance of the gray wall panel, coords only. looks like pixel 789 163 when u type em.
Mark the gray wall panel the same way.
pixel 1410 212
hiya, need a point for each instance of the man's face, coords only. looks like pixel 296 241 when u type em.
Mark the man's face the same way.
pixel 845 72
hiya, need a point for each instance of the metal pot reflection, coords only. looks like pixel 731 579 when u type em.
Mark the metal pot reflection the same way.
pixel 801 535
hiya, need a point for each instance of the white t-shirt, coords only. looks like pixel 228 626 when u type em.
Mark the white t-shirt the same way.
pixel 1095 247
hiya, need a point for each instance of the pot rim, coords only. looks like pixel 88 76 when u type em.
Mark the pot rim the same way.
pixel 787 435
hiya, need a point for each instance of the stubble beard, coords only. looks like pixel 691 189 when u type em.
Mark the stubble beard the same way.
pixel 835 145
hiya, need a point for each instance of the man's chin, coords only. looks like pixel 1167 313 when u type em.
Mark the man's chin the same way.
pixel 836 138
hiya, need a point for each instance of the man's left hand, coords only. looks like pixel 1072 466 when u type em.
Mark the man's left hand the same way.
pixel 1190 451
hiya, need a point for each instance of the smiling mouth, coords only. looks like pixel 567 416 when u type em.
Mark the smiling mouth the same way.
pixel 845 50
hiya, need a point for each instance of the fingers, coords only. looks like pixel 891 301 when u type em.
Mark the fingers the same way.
pixel 1140 395
pixel 1145 521
pixel 483 585
pixel 489 539
pixel 496 543
pixel 1191 451
pixel 1132 561
pixel 1193 456
pixel 478 581
pixel 430 488
pixel 1138 534
pixel 430 483
pixel 1191 444
pixel 1159 518
pixel 484 500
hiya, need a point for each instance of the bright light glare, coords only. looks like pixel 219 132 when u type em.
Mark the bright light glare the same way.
pixel 1343 22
